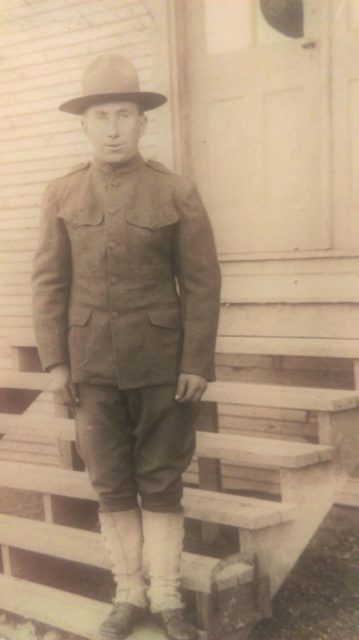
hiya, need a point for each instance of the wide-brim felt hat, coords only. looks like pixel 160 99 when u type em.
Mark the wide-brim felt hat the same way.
pixel 108 78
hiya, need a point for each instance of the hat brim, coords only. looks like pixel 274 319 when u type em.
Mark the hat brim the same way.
pixel 146 99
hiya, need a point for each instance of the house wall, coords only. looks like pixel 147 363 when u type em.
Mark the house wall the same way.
pixel 44 46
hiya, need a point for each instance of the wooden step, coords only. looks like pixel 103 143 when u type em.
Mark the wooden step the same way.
pixel 305 347
pixel 67 611
pixel 233 449
pixel 249 451
pixel 249 345
pixel 87 548
pixel 199 504
pixel 286 397
pixel 21 380
pixel 20 338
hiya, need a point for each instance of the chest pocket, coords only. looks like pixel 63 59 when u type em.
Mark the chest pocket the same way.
pixel 153 218
pixel 85 229
pixel 78 218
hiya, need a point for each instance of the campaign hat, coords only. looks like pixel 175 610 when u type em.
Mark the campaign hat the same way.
pixel 108 78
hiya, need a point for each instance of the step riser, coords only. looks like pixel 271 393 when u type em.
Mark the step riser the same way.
pixel 279 548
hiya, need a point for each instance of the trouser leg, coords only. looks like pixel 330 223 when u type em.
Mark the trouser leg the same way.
pixel 164 445
pixel 105 443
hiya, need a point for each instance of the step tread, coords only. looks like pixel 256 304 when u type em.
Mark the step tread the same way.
pixel 209 506
pixel 256 345
pixel 231 448
pixel 306 347
pixel 285 397
pixel 86 547
pixel 242 450
pixel 310 399
pixel 67 611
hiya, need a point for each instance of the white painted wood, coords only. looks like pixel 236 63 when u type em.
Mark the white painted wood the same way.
pixel 6 559
pixel 209 506
pixel 278 548
pixel 67 611
pixel 349 497
pixel 313 347
pixel 259 127
pixel 87 547
pixel 231 392
pixel 235 449
pixel 345 76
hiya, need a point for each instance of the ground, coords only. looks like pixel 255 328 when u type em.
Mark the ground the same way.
pixel 319 601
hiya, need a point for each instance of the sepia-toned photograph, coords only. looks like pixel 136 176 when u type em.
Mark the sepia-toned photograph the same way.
pixel 179 319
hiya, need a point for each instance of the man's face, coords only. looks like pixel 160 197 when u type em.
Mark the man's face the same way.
pixel 114 130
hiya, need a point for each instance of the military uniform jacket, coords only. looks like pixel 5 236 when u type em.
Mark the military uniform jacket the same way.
pixel 125 279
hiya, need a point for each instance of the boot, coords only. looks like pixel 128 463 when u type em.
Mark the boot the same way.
pixel 163 543
pixel 122 534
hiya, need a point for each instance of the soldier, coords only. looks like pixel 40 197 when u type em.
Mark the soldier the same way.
pixel 125 303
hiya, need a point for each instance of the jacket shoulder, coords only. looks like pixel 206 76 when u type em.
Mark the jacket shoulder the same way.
pixel 158 166
pixel 177 181
pixel 57 185
pixel 82 166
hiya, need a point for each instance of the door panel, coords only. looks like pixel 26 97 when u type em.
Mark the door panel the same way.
pixel 345 79
pixel 258 126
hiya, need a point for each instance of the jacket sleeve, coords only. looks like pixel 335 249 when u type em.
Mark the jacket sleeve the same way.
pixel 51 279
pixel 199 280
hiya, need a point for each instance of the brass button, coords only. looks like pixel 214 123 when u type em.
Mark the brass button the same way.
pixel 113 279
pixel 114 314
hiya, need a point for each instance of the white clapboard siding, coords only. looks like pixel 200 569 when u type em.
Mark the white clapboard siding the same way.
pixel 44 47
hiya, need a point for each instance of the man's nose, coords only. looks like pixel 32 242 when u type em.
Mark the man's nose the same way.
pixel 113 130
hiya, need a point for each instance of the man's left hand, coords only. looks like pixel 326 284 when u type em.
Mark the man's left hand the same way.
pixel 190 387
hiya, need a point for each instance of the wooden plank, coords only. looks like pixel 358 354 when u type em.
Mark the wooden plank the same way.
pixel 88 548
pixel 232 393
pixel 199 504
pixel 20 380
pixel 318 347
pixel 266 428
pixel 279 396
pixel 312 320
pixel 236 449
pixel 349 497
pixel 21 338
pixel 244 450
pixel 311 288
pixel 243 512
pixel 67 611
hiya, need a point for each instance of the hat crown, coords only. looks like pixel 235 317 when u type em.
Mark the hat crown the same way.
pixel 111 77
pixel 110 73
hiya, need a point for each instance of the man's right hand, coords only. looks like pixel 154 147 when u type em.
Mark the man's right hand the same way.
pixel 60 383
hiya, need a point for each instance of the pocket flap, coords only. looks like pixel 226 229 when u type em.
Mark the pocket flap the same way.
pixel 168 318
pixel 82 217
pixel 153 219
pixel 79 315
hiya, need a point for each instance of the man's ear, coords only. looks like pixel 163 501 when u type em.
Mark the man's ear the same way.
pixel 144 121
pixel 84 124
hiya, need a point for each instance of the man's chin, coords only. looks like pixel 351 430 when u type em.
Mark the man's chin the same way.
pixel 115 156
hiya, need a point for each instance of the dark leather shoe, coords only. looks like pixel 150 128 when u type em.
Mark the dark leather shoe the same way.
pixel 121 621
pixel 176 626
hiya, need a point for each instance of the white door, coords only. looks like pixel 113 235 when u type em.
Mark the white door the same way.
pixel 258 126
pixel 345 112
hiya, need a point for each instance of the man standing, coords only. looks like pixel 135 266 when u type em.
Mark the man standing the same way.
pixel 125 302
